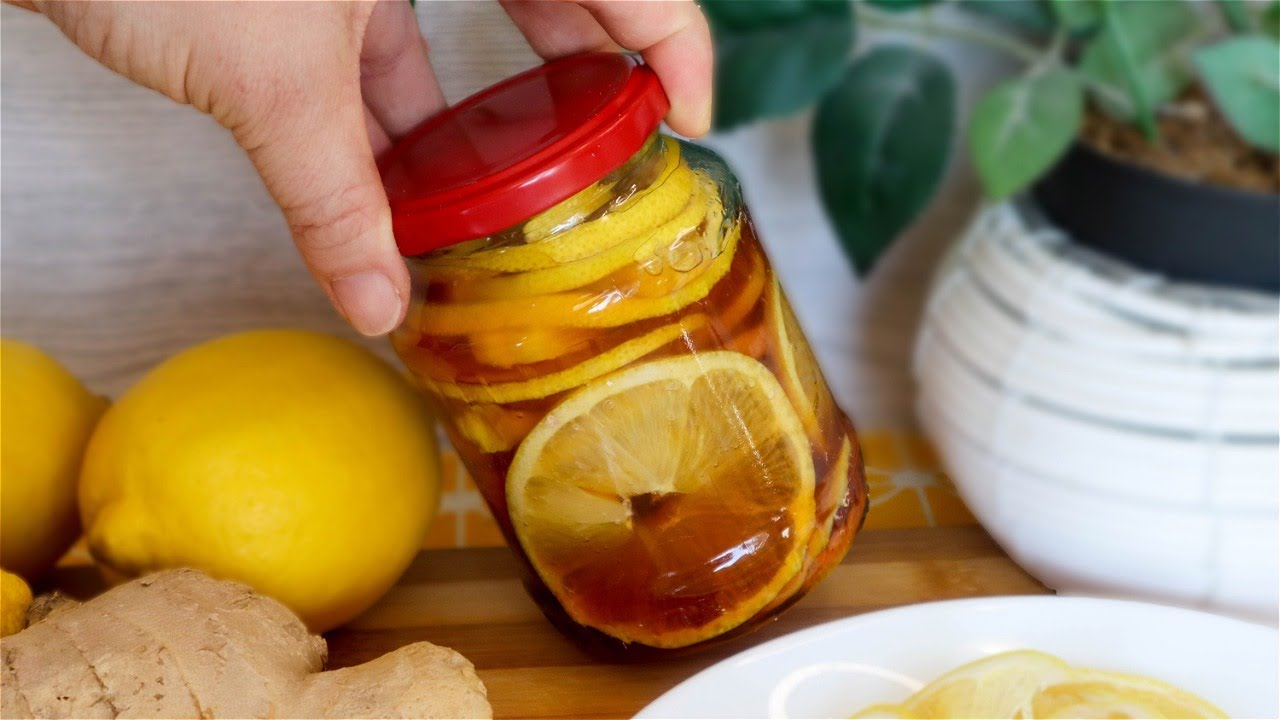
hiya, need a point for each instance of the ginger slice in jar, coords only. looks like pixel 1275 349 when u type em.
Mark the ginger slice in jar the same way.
pixel 667 503
pixel 493 428
pixel 596 309
pixel 509 348
pixel 542 386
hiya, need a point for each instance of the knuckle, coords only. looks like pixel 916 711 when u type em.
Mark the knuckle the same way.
pixel 334 222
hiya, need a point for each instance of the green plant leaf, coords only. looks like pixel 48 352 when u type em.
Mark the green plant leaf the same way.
pixel 1155 36
pixel 881 139
pixel 1270 20
pixel 1243 76
pixel 1236 15
pixel 900 5
pixel 774 57
pixel 1077 15
pixel 1028 15
pixel 1021 127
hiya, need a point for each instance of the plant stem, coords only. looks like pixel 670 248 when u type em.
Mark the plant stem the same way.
pixel 881 20
pixel 1029 54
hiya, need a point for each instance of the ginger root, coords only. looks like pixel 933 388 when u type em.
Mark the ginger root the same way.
pixel 179 644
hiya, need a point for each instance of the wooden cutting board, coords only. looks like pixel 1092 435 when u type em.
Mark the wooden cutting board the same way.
pixel 472 601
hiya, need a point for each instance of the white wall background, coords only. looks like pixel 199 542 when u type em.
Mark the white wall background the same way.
pixel 131 227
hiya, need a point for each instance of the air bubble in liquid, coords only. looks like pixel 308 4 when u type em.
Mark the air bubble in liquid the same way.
pixel 684 255
pixel 651 264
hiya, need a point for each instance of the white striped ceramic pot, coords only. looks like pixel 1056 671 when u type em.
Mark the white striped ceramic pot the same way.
pixel 1117 434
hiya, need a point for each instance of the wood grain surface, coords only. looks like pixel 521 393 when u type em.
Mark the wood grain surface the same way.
pixel 472 601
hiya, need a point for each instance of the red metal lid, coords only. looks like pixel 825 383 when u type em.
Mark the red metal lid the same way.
pixel 509 152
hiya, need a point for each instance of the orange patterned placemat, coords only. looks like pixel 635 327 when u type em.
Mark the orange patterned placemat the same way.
pixel 908 489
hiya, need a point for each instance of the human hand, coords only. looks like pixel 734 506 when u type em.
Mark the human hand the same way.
pixel 313 92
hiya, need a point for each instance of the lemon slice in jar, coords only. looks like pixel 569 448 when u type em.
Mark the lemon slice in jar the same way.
pixel 801 374
pixel 834 491
pixel 651 207
pixel 831 493
pixel 566 213
pixel 558 382
pixel 586 203
pixel 700 210
pixel 577 309
pixel 667 503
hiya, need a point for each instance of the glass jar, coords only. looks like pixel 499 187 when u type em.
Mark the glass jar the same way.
pixel 615 362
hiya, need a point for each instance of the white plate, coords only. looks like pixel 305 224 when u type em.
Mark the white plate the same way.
pixel 836 669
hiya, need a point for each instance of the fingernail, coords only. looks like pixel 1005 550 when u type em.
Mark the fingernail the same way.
pixel 369 302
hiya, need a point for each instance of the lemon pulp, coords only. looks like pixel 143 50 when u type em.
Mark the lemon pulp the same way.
pixel 666 533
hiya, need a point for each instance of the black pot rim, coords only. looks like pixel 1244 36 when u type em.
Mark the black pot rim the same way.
pixel 1182 229
pixel 1183 183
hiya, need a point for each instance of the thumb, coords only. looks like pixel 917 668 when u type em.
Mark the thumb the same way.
pixel 315 158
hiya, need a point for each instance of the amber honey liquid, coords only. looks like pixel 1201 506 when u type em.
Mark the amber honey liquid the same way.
pixel 738 314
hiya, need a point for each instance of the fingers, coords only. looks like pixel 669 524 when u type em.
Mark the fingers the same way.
pixel 671 35
pixel 398 84
pixel 675 41
pixel 556 29
pixel 379 141
pixel 316 160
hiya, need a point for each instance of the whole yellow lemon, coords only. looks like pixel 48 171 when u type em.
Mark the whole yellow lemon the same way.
pixel 47 417
pixel 15 598
pixel 295 462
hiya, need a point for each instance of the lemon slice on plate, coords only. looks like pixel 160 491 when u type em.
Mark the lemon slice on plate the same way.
pixel 882 712
pixel 1097 694
pixel 669 502
pixel 999 686
pixel 1030 684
